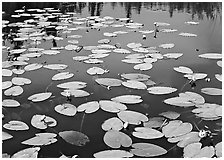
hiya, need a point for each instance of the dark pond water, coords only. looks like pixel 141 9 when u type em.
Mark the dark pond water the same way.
pixel 209 39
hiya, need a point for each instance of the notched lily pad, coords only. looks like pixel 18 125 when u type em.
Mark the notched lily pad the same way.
pixel 113 123
pixel 147 133
pixel 42 121
pixel 40 97
pixel 112 106
pixel 66 109
pixel 16 126
pixel 88 107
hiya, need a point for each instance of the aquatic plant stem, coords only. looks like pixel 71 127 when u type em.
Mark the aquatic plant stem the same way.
pixel 82 122
pixel 48 86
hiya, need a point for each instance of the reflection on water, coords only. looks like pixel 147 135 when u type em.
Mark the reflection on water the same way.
pixel 209 9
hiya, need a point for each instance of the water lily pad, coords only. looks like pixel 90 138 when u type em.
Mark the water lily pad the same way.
pixel 6 72
pixel 6 136
pixel 134 45
pixel 106 46
pixel 41 139
pixel 192 22
pixel 147 133
pixel 173 55
pixel 195 76
pixel 111 82
pixel 32 55
pixel 96 70
pixel 107 34
pixel 168 30
pixel 132 61
pixel 111 106
pixel 6 84
pixel 218 77
pixel 219 63
pixel 27 153
pixel 132 117
pixel 211 55
pixel 93 61
pixel 88 107
pixel 176 128
pixel 62 76
pixel 116 139
pixel 147 150
pixel 154 122
pixel 113 123
pixel 100 51
pixel 158 90
pixel 19 63
pixel 187 34
pixel 135 76
pixel 179 101
pixel 141 50
pixel 55 66
pixel 154 55
pixel 20 81
pixel 170 114
pixel 16 126
pixel 120 50
pixel 14 91
pixel 73 41
pixel 218 149
pixel 143 66
pixel 18 71
pixel 192 97
pixel 212 91
pixel 40 97
pixel 33 66
pixel 66 109
pixel 167 45
pixel 42 121
pixel 113 154
pixel 75 93
pixel 134 84
pixel 71 47
pixel 74 137
pixel 149 60
pixel 183 69
pixel 10 103
pixel 161 23
pixel 80 58
pixel 72 85
pixel 50 52
pixel 128 99
pixel 104 41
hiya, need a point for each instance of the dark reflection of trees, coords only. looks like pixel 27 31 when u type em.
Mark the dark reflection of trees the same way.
pixel 95 8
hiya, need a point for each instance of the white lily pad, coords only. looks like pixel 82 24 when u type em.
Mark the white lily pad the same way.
pixel 149 60
pixel 120 50
pixel 132 60
pixel 183 69
pixel 55 66
pixel 72 85
pixel 80 58
pixel 107 34
pixel 33 66
pixel 41 139
pixel 98 55
pixel 73 41
pixel 132 117
pixel 116 139
pixel 100 51
pixel 14 91
pixel 10 103
pixel 219 63
pixel 147 133
pixel 168 30
pixel 16 126
pixel 218 149
pixel 173 55
pixel 75 93
pixel 154 55
pixel 218 77
pixel 106 46
pixel 104 41
pixel 134 45
pixel 20 81
pixel 211 55
pixel 141 50
pixel 113 123
pixel 147 150
pixel 6 72
pixel 74 137
pixel 193 97
pixel 88 107
pixel 50 52
pixel 192 22
pixel 27 153
pixel 71 47
pixel 128 99
pixel 158 90
pixel 134 84
pixel 135 76
pixel 32 55
pixel 113 154
pixel 6 84
pixel 143 66
pixel 66 109
pixel 195 76
pixel 135 56
pixel 161 23
pixel 111 106
pixel 18 71
pixel 93 61
pixel 170 114
pixel 96 70
pixel 179 101
pixel 212 91
pixel 6 136
pixel 111 82
pixel 42 121
pixel 187 34
pixel 62 76
pixel 167 45
pixel 40 97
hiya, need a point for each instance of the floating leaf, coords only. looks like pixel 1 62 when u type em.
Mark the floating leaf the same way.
pixel 93 61
pixel 196 76
pixel 6 136
pixel 66 109
pixel 154 122
pixel 16 126
pixel 183 69
pixel 111 106
pixel 40 97
pixel 42 121
pixel 62 76
pixel 74 137
pixel 113 154
pixel 33 66
pixel 41 139
pixel 132 61
pixel 6 72
pixel 71 47
pixel 98 55
pixel 75 93
pixel 173 55
pixel 111 82
pixel 211 55
pixel 20 81
pixel 96 70
pixel 147 133
pixel 149 60
pixel 50 52
pixel 168 30
pixel 143 66
pixel 18 71
pixel 154 55
pixel 14 91
pixel 116 139
pixel 187 34
pixel 141 50
pixel 161 90
pixel 218 149
pixel 10 103
pixel 170 114
pixel 176 128
pixel 218 77
pixel 135 76
pixel 80 58
pixel 113 123
pixel 106 46
pixel 100 51
pixel 107 34
pixel 134 45
pixel 134 84
pixel 192 97
pixel 147 150
pixel 72 85
pixel 27 153
pixel 161 24
pixel 179 101
pixel 219 63
pixel 192 23
pixel 55 66
pixel 6 84
pixel 128 99
pixel 167 46
pixel 88 107
pixel 120 50
pixel 212 91
pixel 104 41
pixel 132 117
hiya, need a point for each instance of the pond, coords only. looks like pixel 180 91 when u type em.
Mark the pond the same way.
pixel 69 34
